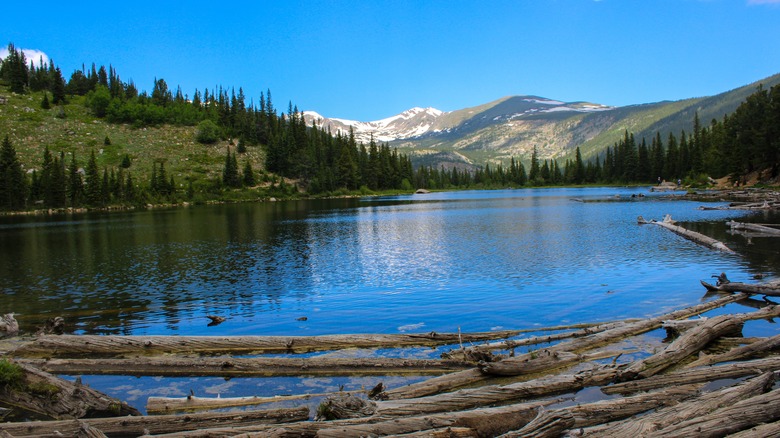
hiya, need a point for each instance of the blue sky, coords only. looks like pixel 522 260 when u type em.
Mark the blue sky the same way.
pixel 367 60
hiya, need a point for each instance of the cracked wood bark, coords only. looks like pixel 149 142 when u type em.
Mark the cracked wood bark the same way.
pixel 692 341
pixel 136 426
pixel 757 348
pixel 554 423
pixel 699 238
pixel 768 430
pixel 447 432
pixel 49 396
pixel 458 379
pixel 247 367
pixel 731 419
pixel 113 346
pixel 696 375
pixel 693 408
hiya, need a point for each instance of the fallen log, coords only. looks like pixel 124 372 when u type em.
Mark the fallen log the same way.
pixel 693 408
pixel 136 426
pixel 486 422
pixel 554 423
pixel 458 379
pixel 687 344
pixel 767 430
pixel 247 367
pixel 39 393
pixel 730 419
pixel 696 375
pixel 113 346
pixel 489 395
pixel 447 432
pixel 761 347
pixel 166 405
pixel 699 238
pixel 753 227
pixel 771 289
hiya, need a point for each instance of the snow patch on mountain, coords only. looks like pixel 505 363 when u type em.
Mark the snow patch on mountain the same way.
pixel 410 123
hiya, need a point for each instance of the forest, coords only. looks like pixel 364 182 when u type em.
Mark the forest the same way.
pixel 301 159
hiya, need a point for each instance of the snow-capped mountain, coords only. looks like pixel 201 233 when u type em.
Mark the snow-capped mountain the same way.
pixel 420 122
pixel 410 123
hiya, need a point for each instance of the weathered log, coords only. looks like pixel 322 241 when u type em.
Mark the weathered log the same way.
pixel 8 325
pixel 699 238
pixel 113 346
pixel 696 375
pixel 87 431
pixel 247 367
pixel 136 426
pixel 730 419
pixel 458 379
pixel 447 432
pixel 554 423
pixel 770 289
pixel 761 347
pixel 48 396
pixel 496 394
pixel 693 408
pixel 486 422
pixel 167 405
pixel 767 430
pixel 510 344
pixel 753 227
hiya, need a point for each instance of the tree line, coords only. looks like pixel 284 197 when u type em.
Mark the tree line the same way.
pixel 321 161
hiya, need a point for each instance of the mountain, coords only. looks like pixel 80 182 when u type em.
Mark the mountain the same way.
pixel 514 125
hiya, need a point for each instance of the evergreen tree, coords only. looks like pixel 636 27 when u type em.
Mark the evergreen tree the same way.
pixel 92 182
pixel 57 87
pixel 13 183
pixel 105 189
pixel 230 176
pixel 579 168
pixel 533 174
pixel 75 190
pixel 249 175
pixel 45 104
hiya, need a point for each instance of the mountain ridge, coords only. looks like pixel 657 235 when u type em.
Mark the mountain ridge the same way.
pixel 512 126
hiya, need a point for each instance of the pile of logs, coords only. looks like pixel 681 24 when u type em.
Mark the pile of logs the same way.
pixel 708 381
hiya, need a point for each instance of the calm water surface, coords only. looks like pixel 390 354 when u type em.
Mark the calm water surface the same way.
pixel 480 260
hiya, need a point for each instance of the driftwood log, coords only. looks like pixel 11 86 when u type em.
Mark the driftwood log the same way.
pixel 694 408
pixel 553 423
pixel 769 289
pixel 693 341
pixel 48 396
pixel 167 405
pixel 753 227
pixel 517 365
pixel 247 367
pixel 757 348
pixel 699 238
pixel 114 346
pixel 136 426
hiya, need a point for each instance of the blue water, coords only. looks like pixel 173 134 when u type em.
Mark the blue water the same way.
pixel 474 261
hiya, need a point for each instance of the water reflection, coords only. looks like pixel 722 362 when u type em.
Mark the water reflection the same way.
pixel 476 260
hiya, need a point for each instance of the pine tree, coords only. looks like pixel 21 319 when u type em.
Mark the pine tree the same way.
pixel 75 191
pixel 13 183
pixel 249 175
pixel 230 175
pixel 92 182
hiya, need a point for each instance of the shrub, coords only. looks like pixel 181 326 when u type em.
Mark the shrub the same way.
pixel 208 132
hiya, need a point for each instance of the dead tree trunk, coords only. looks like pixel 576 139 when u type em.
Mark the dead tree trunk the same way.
pixel 555 422
pixel 47 395
pixel 753 227
pixel 243 367
pixel 684 411
pixel 114 346
pixel 734 418
pixel 136 426
pixel 496 394
pixel 696 375
pixel 692 342
pixel 699 238
pixel 770 289
pixel 761 347
pixel 458 379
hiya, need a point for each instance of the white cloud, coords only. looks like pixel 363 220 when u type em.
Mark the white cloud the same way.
pixel 33 55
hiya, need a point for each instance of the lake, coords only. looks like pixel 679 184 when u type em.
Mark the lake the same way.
pixel 468 260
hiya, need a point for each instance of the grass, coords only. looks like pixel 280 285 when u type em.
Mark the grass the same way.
pixel 31 129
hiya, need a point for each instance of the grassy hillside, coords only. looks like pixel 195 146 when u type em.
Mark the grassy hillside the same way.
pixel 31 128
